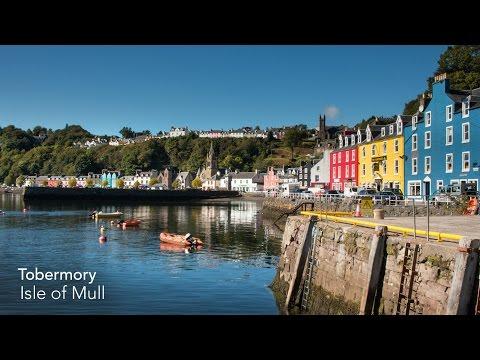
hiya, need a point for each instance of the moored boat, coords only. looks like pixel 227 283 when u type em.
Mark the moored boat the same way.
pixel 183 240
pixel 101 214
pixel 130 223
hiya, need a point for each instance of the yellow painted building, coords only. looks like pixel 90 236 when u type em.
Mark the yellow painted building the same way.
pixel 381 156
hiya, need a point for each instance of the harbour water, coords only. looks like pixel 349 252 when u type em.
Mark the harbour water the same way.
pixel 139 275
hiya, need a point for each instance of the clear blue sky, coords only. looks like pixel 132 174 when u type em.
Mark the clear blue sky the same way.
pixel 104 88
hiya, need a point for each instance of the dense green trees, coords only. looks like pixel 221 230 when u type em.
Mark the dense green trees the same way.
pixel 293 137
pixel 22 154
pixel 127 133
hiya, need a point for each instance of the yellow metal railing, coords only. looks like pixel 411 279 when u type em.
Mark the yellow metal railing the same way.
pixel 392 228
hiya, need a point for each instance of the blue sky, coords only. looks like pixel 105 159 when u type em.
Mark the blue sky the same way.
pixel 104 88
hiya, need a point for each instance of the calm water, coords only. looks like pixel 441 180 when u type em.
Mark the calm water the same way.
pixel 230 275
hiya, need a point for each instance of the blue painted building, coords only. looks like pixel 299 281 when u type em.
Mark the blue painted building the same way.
pixel 440 146
pixel 111 177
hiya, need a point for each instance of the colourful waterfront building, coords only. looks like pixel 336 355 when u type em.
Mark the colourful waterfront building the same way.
pixel 343 162
pixel 381 155
pixel 439 143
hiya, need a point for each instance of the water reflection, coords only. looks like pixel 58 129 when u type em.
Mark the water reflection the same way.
pixel 228 275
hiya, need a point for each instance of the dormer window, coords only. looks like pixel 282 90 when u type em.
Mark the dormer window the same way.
pixel 391 130
pixel 359 137
pixel 369 134
pixel 353 139
pixel 465 109
pixel 383 131
pixel 414 122
pixel 399 127
pixel 346 141
pixel 340 141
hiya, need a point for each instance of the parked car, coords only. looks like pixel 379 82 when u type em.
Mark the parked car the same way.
pixel 397 192
pixel 366 192
pixel 351 192
pixel 384 197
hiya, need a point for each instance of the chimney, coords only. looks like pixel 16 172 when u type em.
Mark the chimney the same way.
pixel 438 81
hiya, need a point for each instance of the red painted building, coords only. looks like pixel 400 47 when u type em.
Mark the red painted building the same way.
pixel 271 181
pixel 344 164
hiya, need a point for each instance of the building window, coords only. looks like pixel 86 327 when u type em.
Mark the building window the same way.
pixel 374 150
pixel 353 139
pixel 395 167
pixel 395 145
pixel 346 141
pixel 465 132
pixel 334 172
pixel 414 142
pixel 414 188
pixel 359 138
pixel 352 173
pixel 353 155
pixel 428 119
pixel 391 130
pixel 384 148
pixel 383 131
pixel 347 168
pixel 363 170
pixel 439 184
pixel 428 139
pixel 414 122
pixel 449 163
pixel 466 161
pixel 428 164
pixel 384 165
pixel 340 142
pixel 373 169
pixel 347 156
pixel 449 113
pixel 414 166
pixel 399 127
pixel 339 170
pixel 339 157
pixel 334 158
pixel 449 135
pixel 465 109
pixel 363 152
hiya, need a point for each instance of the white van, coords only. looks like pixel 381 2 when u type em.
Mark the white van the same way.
pixel 350 191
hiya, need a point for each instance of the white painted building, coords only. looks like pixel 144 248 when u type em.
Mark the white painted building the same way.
pixel 247 181
pixel 320 171
pixel 180 131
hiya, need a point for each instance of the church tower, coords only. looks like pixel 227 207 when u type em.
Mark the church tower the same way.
pixel 322 129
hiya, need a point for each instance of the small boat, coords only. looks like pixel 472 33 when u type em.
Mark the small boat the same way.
pixel 183 240
pixel 178 248
pixel 130 223
pixel 101 214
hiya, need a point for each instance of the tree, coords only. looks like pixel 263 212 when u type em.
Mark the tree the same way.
pixel 293 137
pixel 89 183
pixel 9 180
pixel 136 184
pixel 197 183
pixel 127 133
pixel 152 181
pixel 20 180
pixel 72 182
pixel 270 137
pixel 104 183
pixel 411 107
pixel 120 183
pixel 176 184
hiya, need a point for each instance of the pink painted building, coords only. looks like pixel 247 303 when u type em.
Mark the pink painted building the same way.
pixel 271 181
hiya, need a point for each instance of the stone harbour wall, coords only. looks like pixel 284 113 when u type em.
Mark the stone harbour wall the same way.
pixel 352 264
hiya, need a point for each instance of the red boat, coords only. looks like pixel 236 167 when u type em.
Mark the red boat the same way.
pixel 164 246
pixel 183 240
pixel 129 223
